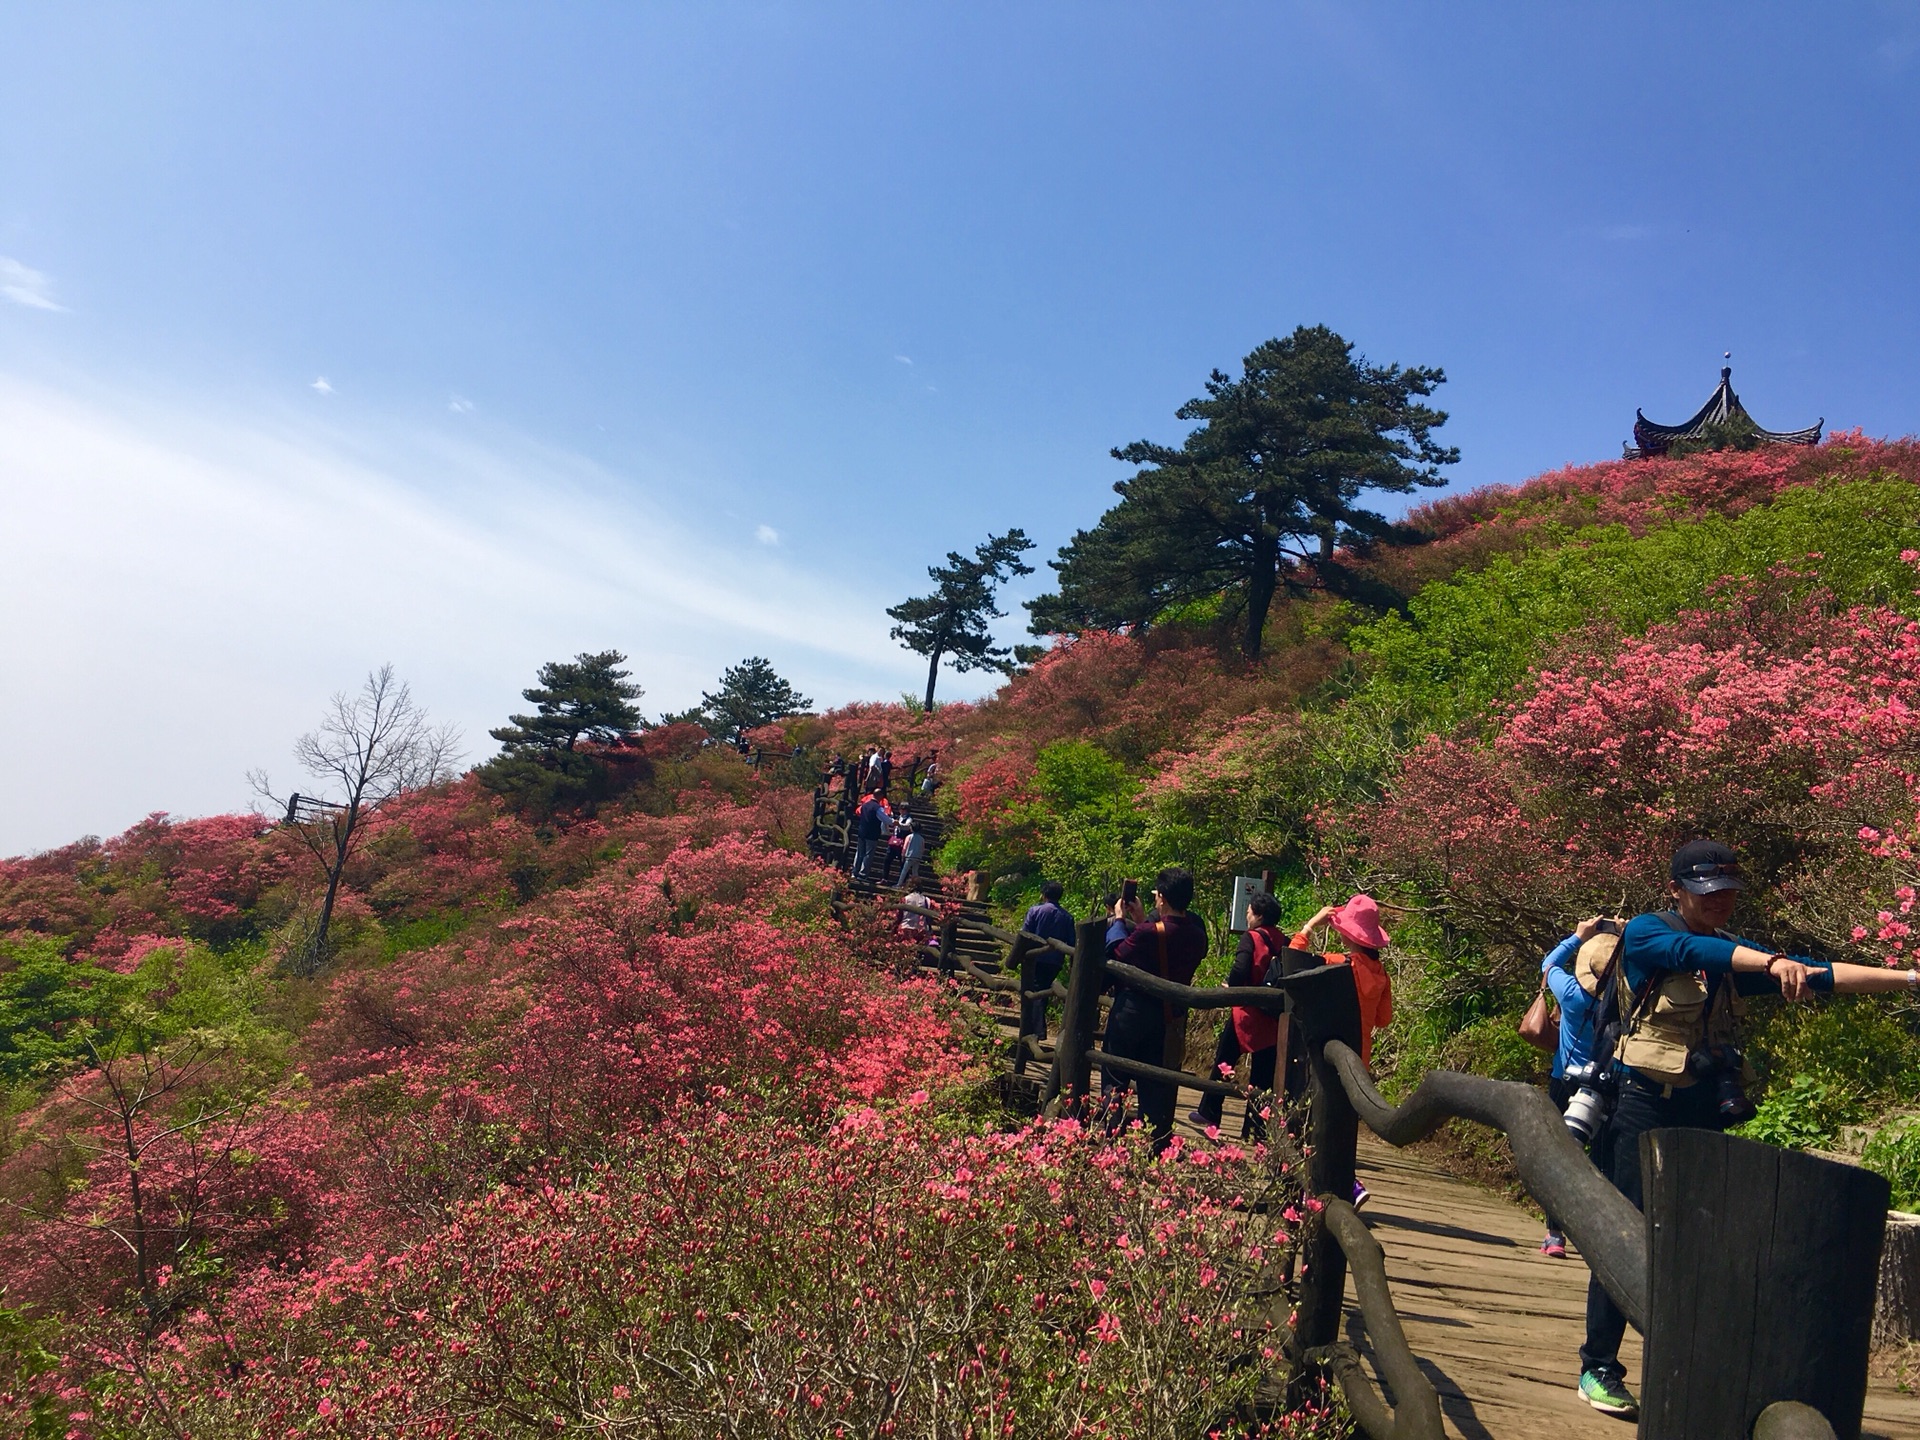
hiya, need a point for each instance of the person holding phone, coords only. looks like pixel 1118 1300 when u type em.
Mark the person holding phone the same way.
pixel 1170 942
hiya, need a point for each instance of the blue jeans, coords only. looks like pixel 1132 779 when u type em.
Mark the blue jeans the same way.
pixel 863 855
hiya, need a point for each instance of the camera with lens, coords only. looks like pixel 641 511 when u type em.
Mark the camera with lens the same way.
pixel 1588 1107
pixel 1721 1064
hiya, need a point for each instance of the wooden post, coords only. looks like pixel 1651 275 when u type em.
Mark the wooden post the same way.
pixel 949 934
pixel 1762 1265
pixel 1328 1008
pixel 1072 1074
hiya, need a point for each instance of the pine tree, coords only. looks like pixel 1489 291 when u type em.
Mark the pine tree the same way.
pixel 587 697
pixel 751 694
pixel 1260 495
pixel 539 767
pixel 952 622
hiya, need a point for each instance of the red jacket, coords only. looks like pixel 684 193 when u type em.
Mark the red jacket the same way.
pixel 1257 1029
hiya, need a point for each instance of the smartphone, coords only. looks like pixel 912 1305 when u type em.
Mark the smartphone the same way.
pixel 1129 891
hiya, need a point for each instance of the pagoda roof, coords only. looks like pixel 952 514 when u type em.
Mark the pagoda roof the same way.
pixel 1722 406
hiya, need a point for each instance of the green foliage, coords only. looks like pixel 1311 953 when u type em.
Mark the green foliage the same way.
pixel 751 694
pixel 1866 1054
pixel 586 697
pixel 1894 1151
pixel 57 1014
pixel 1466 642
pixel 26 1356
pixel 1078 777
pixel 1260 494
pixel 1805 1113
pixel 1085 820
pixel 1454 1008
pixel 421 933
pixel 51 1008
pixel 952 622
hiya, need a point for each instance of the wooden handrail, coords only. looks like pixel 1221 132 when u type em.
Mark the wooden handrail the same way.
pixel 1609 1231
pixel 1271 997
pixel 1141 1070
pixel 1415 1414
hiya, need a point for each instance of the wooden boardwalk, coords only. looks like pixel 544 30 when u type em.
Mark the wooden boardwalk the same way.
pixel 1497 1325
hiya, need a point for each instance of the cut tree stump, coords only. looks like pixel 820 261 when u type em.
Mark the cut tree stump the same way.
pixel 1896 1308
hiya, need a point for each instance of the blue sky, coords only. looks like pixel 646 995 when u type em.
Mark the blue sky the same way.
pixel 699 331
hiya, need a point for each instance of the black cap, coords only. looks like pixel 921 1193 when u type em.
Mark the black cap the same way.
pixel 1705 866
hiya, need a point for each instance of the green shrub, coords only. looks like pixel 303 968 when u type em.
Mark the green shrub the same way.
pixel 1895 1153
pixel 423 933
pixel 1804 1114
pixel 1467 641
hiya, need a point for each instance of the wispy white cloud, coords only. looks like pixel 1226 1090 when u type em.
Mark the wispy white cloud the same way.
pixel 904 359
pixel 249 569
pixel 24 285
pixel 460 405
pixel 766 534
pixel 320 384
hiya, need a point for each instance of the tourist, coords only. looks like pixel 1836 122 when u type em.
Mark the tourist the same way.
pixel 931 781
pixel 1050 921
pixel 886 769
pixel 911 851
pixel 1571 994
pixel 900 826
pixel 1358 923
pixel 915 909
pixel 1688 971
pixel 870 825
pixel 1171 944
pixel 1255 1033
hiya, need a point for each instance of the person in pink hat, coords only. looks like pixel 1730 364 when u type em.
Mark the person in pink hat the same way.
pixel 1358 923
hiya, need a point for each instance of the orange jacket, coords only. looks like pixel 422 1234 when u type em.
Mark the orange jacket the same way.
pixel 1370 981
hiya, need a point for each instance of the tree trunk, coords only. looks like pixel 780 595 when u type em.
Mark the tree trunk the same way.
pixel 342 844
pixel 933 674
pixel 1262 579
pixel 136 1201
pixel 1896 1311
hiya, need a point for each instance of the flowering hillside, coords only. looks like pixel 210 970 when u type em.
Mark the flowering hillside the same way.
pixel 601 1119
pixel 1584 667
pixel 597 1123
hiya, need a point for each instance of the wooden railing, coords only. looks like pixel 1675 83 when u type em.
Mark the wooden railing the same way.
pixel 1751 1273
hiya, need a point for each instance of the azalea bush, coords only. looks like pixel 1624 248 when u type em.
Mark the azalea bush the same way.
pixel 1785 726
pixel 732 1274
pixel 1779 722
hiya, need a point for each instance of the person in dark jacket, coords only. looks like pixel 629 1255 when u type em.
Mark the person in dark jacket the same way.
pixel 1170 943
pixel 872 824
pixel 1249 1032
pixel 1050 921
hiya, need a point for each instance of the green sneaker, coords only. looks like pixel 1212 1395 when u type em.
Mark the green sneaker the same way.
pixel 1608 1395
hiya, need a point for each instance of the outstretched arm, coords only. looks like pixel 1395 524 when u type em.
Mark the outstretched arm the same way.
pixel 1872 980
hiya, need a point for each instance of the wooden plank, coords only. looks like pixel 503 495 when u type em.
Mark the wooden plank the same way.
pixel 1497 1324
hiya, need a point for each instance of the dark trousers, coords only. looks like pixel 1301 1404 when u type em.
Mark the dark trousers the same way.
pixel 1641 1108
pixel 1137 1031
pixel 1033 1013
pixel 1228 1053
